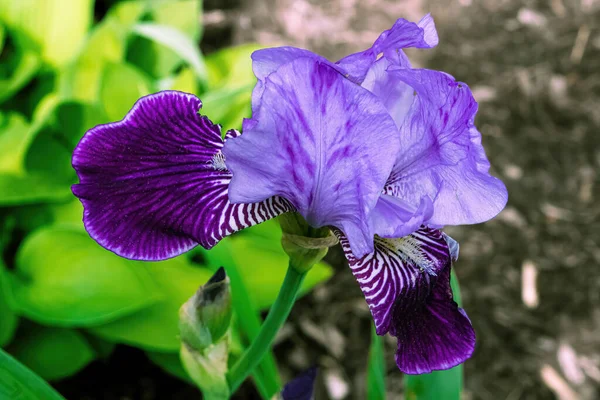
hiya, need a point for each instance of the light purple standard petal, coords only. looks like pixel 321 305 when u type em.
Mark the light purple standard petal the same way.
pixel 319 141
pixel 402 34
pixel 406 285
pixel 154 184
pixel 393 218
pixel 441 154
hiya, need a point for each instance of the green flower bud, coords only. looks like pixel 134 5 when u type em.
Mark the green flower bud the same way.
pixel 203 325
pixel 206 316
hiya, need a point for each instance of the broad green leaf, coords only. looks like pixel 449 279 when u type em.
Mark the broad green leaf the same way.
pixel 64 278
pixel 15 190
pixel 185 81
pixel 73 119
pixel 376 368
pixel 231 67
pixel 155 58
pixel 55 29
pixel 82 79
pixel 228 106
pixel 122 86
pixel 14 76
pixel 178 42
pixel 18 382
pixel 437 385
pixel 171 363
pixel 14 141
pixel 2 36
pixel 156 328
pixel 231 81
pixel 8 319
pixel 52 353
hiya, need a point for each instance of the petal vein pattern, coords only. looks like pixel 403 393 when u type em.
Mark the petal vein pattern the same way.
pixel 320 141
pixel 155 184
pixel 406 283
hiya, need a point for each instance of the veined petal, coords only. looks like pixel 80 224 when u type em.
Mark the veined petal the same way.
pixel 402 34
pixel 319 141
pixel 441 154
pixel 155 184
pixel 393 218
pixel 406 284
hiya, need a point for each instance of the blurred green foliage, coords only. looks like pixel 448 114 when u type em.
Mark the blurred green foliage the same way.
pixel 64 300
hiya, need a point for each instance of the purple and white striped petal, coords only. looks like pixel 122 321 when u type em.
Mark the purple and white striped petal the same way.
pixel 319 141
pixel 155 184
pixel 405 282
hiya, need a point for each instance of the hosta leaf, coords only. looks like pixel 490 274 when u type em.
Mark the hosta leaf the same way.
pixel 52 353
pixel 156 327
pixel 171 363
pixel 14 141
pixel 50 27
pixel 19 382
pixel 178 42
pixel 122 86
pixel 8 319
pixel 14 77
pixel 231 67
pixel 155 58
pixel 63 277
pixel 32 188
pixel 82 79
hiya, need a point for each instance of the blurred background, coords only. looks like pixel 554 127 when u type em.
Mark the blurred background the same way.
pixel 530 278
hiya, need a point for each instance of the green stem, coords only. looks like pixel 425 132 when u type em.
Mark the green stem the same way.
pixel 277 316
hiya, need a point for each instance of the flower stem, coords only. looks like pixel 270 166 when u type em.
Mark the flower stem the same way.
pixel 277 316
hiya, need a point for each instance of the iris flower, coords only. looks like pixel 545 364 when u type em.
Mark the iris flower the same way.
pixel 382 153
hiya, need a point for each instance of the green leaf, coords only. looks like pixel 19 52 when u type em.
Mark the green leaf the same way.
pixel 157 327
pixel 16 190
pixel 446 384
pixel 63 277
pixel 231 67
pixel 8 318
pixel 231 81
pixel 122 86
pixel 26 65
pixel 155 58
pixel 376 368
pixel 82 79
pixel 49 27
pixel 18 382
pixel 178 42
pixel 52 353
pixel 171 363
pixel 14 141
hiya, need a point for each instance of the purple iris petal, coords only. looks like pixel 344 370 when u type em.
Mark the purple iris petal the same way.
pixel 401 35
pixel 406 284
pixel 441 154
pixel 393 218
pixel 319 141
pixel 301 387
pixel 154 184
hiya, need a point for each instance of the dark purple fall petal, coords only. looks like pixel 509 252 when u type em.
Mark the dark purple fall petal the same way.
pixel 155 184
pixel 406 285
pixel 441 154
pixel 301 387
pixel 319 141
pixel 433 336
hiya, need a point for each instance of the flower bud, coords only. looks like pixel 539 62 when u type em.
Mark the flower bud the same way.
pixel 205 317
pixel 203 324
